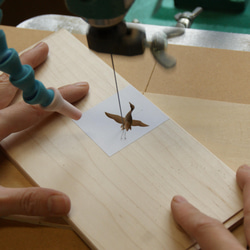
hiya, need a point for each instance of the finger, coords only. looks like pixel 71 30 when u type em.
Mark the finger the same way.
pixel 21 115
pixel 7 91
pixel 33 201
pixel 34 57
pixel 208 232
pixel 243 179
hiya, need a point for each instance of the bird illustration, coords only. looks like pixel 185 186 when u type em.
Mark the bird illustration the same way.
pixel 127 121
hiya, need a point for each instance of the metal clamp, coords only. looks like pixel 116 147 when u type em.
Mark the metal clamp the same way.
pixel 185 19
pixel 160 40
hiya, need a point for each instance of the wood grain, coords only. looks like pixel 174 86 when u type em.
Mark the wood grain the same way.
pixel 123 201
pixel 222 127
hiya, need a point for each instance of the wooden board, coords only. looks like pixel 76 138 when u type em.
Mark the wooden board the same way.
pixel 123 201
pixel 222 127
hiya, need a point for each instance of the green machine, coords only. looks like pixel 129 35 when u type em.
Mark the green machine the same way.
pixel 100 13
pixel 221 5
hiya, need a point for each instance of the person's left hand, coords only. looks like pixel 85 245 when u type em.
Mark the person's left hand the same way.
pixel 19 116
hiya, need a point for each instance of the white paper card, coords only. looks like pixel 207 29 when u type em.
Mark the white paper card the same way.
pixel 107 133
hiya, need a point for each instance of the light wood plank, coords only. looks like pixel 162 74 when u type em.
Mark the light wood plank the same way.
pixel 222 127
pixel 123 201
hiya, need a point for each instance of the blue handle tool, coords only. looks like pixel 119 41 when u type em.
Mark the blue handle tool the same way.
pixel 23 77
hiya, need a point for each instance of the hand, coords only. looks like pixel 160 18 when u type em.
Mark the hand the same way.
pixel 209 232
pixel 19 116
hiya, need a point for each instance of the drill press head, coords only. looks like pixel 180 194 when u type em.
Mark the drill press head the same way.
pixel 100 13
pixel 107 32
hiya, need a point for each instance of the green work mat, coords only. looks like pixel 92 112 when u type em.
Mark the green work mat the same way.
pixel 162 12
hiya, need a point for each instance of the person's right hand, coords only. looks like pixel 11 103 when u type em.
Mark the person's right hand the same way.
pixel 208 232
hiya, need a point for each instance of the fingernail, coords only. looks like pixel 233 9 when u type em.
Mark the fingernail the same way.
pixel 179 199
pixel 39 45
pixel 245 167
pixel 58 205
pixel 82 84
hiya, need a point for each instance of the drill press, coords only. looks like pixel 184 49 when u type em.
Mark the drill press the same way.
pixel 108 33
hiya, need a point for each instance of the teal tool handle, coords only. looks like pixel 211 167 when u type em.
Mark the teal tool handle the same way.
pixel 34 92
pixel 22 76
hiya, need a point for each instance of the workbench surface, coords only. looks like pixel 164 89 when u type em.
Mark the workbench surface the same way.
pixel 217 116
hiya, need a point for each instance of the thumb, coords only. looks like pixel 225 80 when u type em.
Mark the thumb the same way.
pixel 208 232
pixel 33 201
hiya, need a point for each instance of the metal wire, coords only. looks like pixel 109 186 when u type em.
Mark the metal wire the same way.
pixel 117 90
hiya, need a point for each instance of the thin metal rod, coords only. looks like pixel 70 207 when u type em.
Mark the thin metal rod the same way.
pixel 117 90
